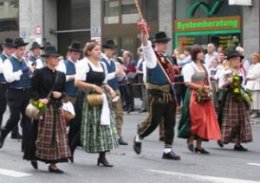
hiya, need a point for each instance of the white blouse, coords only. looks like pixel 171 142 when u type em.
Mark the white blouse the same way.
pixel 82 68
pixel 189 70
pixel 226 73
pixel 254 75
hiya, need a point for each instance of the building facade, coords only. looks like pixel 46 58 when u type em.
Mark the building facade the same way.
pixel 185 21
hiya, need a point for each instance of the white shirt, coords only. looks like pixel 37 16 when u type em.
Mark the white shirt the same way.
pixel 82 68
pixel 189 70
pixel 225 73
pixel 62 67
pixel 254 75
pixel 9 75
pixel 111 75
pixel 2 63
pixel 149 56
pixel 209 58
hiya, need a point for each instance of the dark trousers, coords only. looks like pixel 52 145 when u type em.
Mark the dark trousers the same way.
pixel 162 106
pixel 17 101
pixel 130 96
pixel 3 105
pixel 3 102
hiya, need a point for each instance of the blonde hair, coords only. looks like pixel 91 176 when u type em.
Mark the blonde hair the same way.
pixel 257 56
pixel 89 46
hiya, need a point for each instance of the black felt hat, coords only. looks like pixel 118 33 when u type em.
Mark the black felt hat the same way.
pixel 18 42
pixel 75 46
pixel 110 44
pixel 234 53
pixel 160 37
pixel 8 43
pixel 50 51
pixel 36 45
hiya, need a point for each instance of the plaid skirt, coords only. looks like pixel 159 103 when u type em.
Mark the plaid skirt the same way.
pixel 235 121
pixel 97 138
pixel 52 141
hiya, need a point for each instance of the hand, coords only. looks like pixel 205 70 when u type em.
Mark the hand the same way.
pixel 25 69
pixel 120 71
pixel 142 26
pixel 56 94
pixel 44 101
pixel 112 93
pixel 229 80
pixel 98 89
pixel 71 78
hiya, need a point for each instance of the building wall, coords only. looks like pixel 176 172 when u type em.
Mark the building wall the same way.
pixel 165 19
pixel 251 28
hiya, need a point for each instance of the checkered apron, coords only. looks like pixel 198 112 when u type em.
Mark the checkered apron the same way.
pixel 52 140
pixel 235 122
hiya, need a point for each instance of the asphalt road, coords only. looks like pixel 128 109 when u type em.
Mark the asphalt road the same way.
pixel 221 166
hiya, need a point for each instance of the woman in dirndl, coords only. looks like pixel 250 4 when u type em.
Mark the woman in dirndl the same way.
pixel 50 142
pixel 235 118
pixel 98 131
pixel 199 120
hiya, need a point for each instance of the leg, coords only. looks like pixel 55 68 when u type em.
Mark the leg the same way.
pixel 103 161
pixel 3 102
pixel 161 130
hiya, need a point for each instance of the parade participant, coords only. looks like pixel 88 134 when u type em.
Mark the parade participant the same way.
pixel 162 105
pixel 17 75
pixel 69 68
pixel 114 73
pixel 50 142
pixel 202 121
pixel 35 59
pixel 253 83
pixel 98 131
pixel 235 119
pixel 7 52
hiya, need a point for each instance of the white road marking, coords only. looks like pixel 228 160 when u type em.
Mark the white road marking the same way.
pixel 203 178
pixel 254 164
pixel 12 173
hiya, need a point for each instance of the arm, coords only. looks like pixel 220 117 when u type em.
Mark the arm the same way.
pixel 9 75
pixel 184 61
pixel 1 65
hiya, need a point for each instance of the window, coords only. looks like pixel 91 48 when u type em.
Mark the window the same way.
pixel 111 11
pixel 9 23
pixel 129 12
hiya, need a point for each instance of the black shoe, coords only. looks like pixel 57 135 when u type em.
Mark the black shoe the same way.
pixel 191 147
pixel 220 143
pixel 240 148
pixel 104 162
pixel 171 156
pixel 3 134
pixel 201 150
pixel 130 110
pixel 34 164
pixel 161 139
pixel 55 170
pixel 142 111
pixel 16 136
pixel 137 147
pixel 122 142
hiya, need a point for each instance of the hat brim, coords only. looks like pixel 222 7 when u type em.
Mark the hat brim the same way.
pixel 8 46
pixel 20 45
pixel 50 55
pixel 73 49
pixel 110 46
pixel 232 56
pixel 164 40
pixel 41 48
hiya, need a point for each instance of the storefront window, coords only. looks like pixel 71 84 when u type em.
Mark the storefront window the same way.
pixel 111 11
pixel 9 12
pixel 129 12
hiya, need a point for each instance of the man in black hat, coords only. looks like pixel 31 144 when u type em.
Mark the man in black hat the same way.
pixel 8 49
pixel 114 73
pixel 35 59
pixel 17 75
pixel 69 68
pixel 160 76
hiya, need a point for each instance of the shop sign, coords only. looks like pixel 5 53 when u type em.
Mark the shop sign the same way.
pixel 208 24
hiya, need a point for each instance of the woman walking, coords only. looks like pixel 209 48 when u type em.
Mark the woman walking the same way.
pixel 253 84
pixel 235 120
pixel 98 132
pixel 199 119
pixel 50 142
